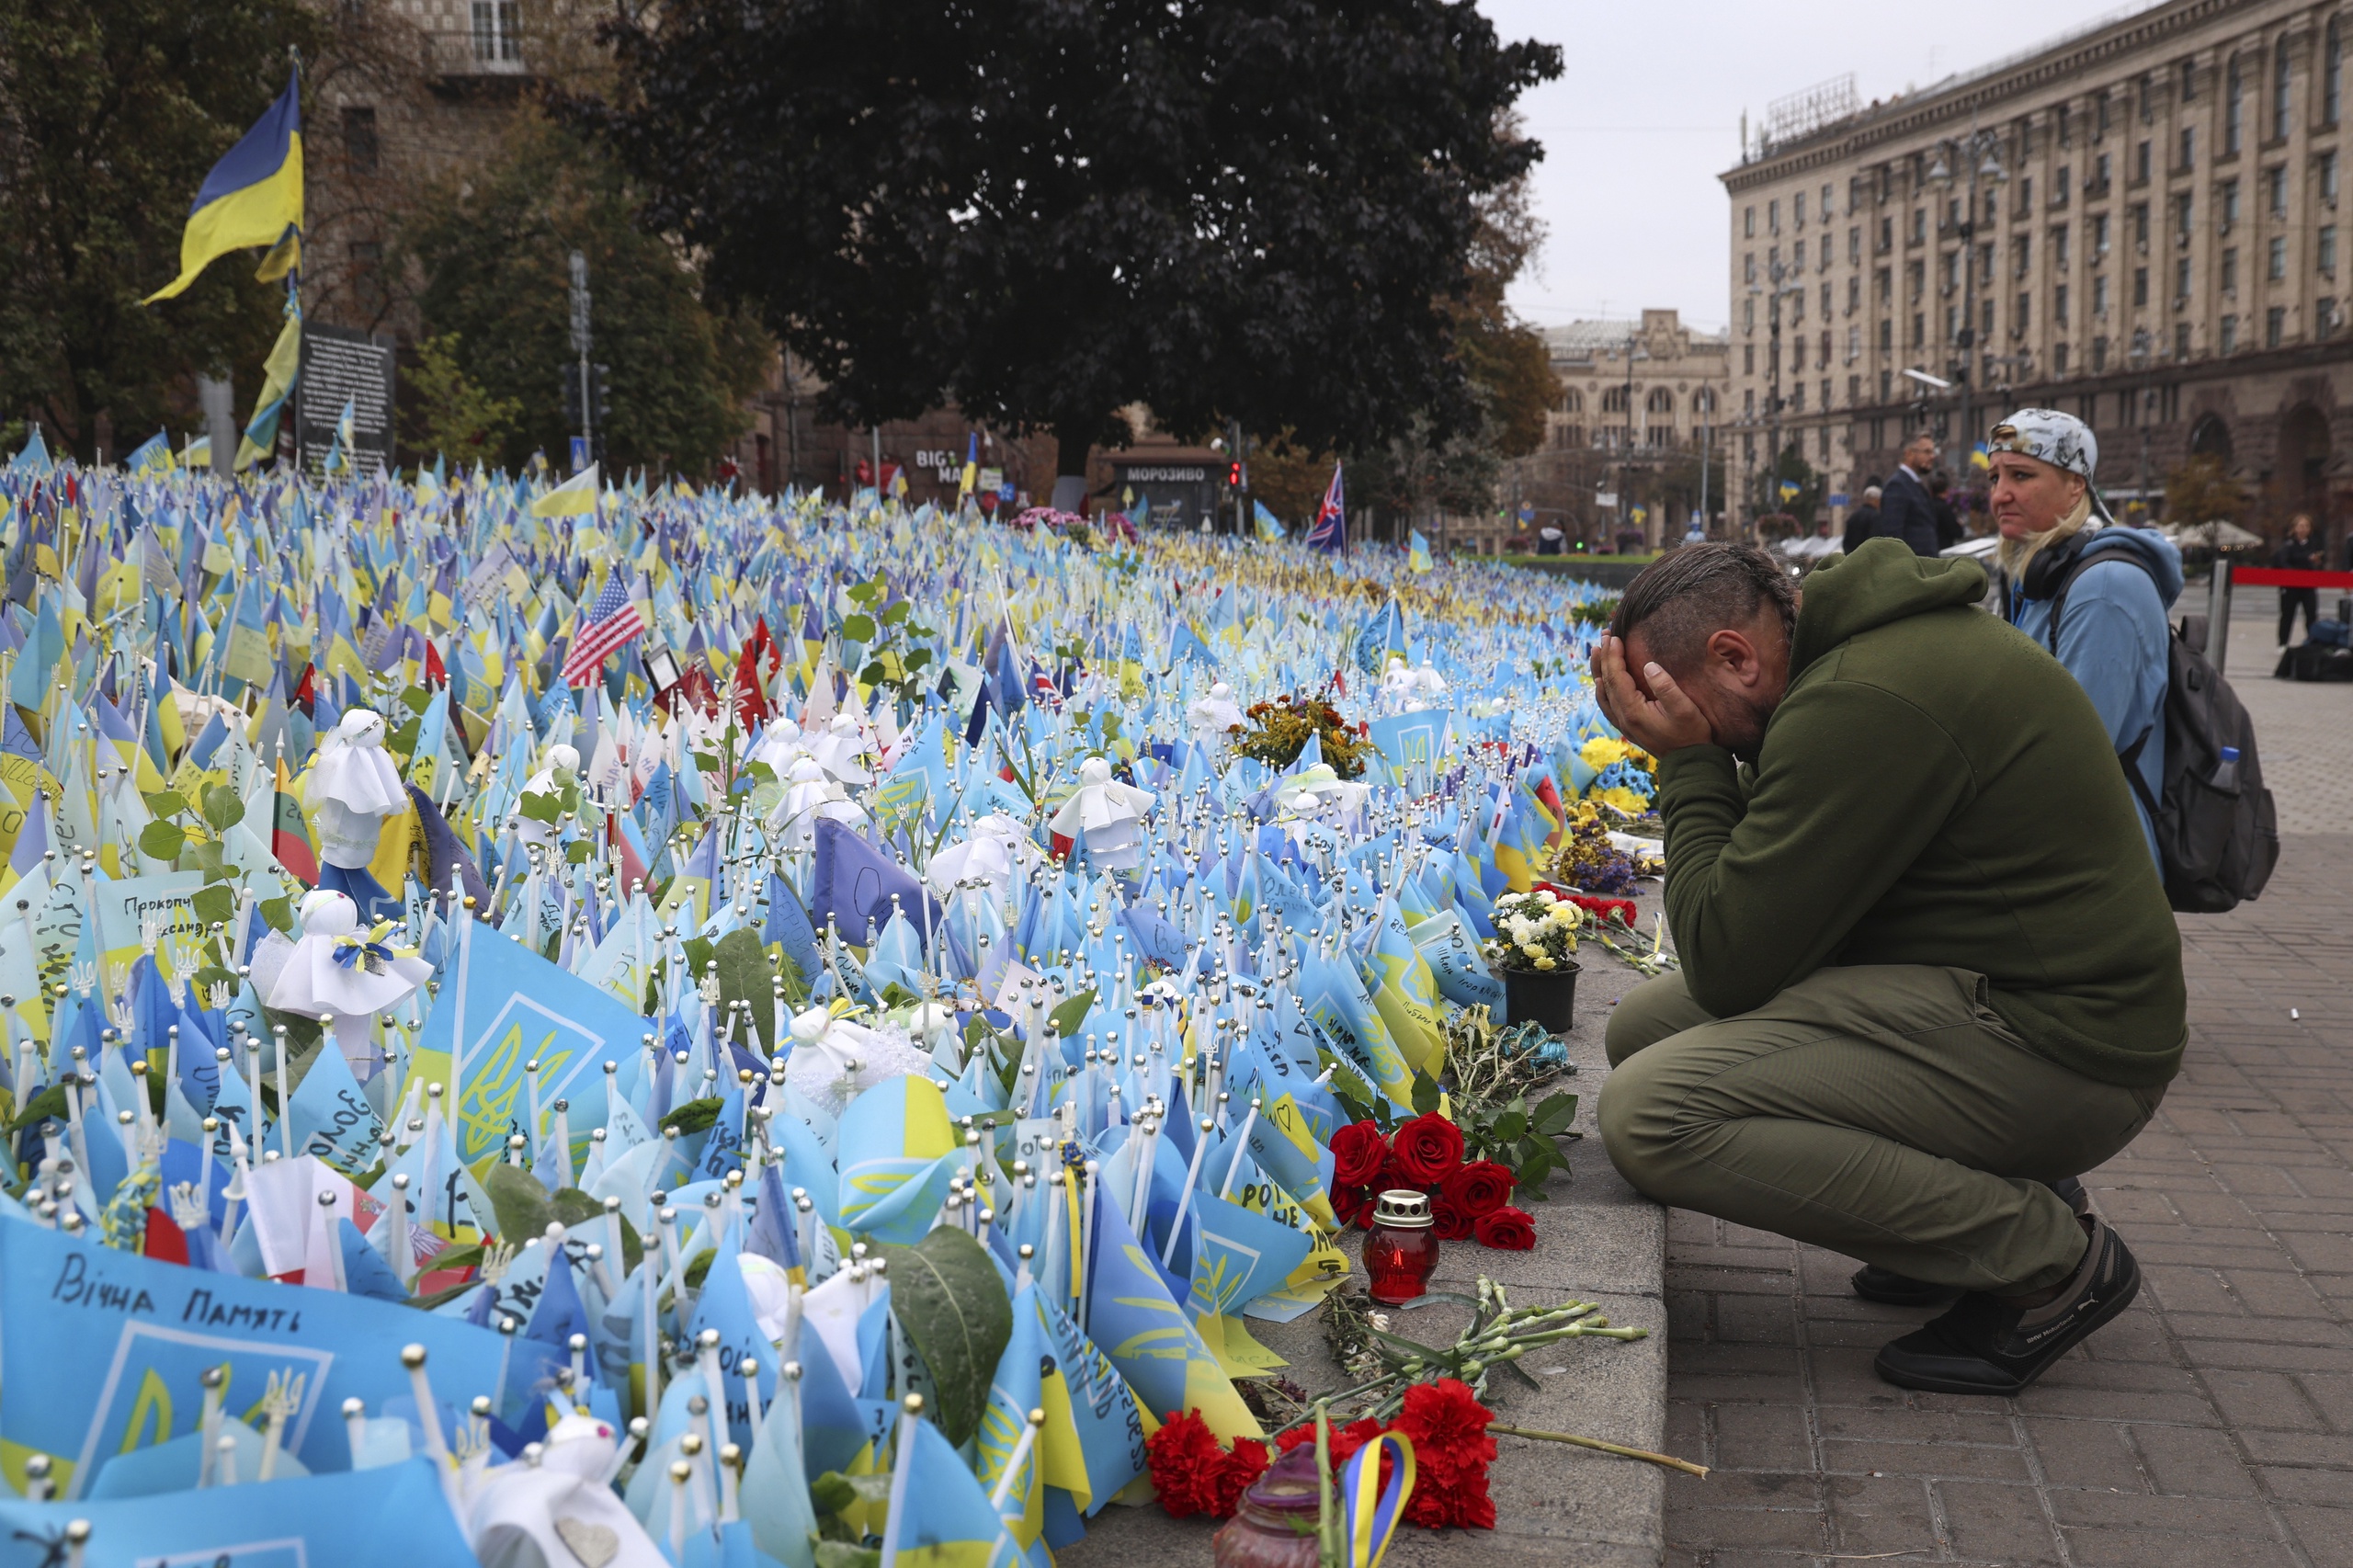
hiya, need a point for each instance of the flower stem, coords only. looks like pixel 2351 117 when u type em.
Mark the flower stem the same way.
pixel 1668 1460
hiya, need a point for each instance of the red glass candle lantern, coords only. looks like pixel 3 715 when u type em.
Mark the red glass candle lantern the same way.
pixel 1274 1525
pixel 1402 1249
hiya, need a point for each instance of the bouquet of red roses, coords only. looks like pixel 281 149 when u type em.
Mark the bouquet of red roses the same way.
pixel 1470 1201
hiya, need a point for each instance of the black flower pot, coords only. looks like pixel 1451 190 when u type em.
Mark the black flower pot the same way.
pixel 1542 996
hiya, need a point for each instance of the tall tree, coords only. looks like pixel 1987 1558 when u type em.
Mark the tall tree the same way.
pixel 1042 211
pixel 111 112
pixel 491 251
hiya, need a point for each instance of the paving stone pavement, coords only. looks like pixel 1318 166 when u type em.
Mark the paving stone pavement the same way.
pixel 2213 1422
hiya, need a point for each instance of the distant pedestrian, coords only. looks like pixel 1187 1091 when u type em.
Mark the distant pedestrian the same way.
pixel 2298 552
pixel 1949 529
pixel 1864 522
pixel 1904 511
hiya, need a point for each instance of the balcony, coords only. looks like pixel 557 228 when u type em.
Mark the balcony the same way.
pixel 488 58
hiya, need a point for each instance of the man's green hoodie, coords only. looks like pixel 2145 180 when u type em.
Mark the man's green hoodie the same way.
pixel 1934 789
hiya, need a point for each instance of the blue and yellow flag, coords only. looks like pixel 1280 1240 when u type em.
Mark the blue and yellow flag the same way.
pixel 1132 1314
pixel 897 1150
pixel 152 456
pixel 1418 553
pixel 252 197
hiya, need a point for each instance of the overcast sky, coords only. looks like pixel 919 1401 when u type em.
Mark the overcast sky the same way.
pixel 1646 115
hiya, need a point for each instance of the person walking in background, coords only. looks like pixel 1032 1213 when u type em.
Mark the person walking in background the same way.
pixel 1863 523
pixel 1904 511
pixel 1949 529
pixel 2096 596
pixel 2298 552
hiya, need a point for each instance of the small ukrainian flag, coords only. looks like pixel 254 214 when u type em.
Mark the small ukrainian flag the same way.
pixel 252 197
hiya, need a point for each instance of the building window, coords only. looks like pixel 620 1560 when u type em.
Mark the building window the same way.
pixel 2230 268
pixel 498 26
pixel 1748 269
pixel 1919 225
pixel 1797 208
pixel 2059 360
pixel 2233 96
pixel 1572 403
pixel 2274 326
pixel 2328 178
pixel 2059 188
pixel 2181 214
pixel 2140 216
pixel 2279 115
pixel 1826 299
pixel 361 152
pixel 2189 81
pixel 1748 315
pixel 2228 335
pixel 1825 204
pixel 2064 126
pixel 1749 406
pixel 1797 352
pixel 1773 215
pixel 2100 175
pixel 2332 73
pixel 2099 116
pixel 1887 338
pixel 2226 203
pixel 2059 305
pixel 2059 248
pixel 1748 358
pixel 1660 400
pixel 2276 263
pixel 2140 286
pixel 1703 400
pixel 1854 344
pixel 2019 321
pixel 2275 191
pixel 1797 396
pixel 1855 246
pixel 1985 318
pixel 2181 340
pixel 2099 234
pixel 2188 148
pixel 2326 250
pixel 2100 295
pixel 1919 329
pixel 2324 317
pixel 1749 222
pixel 1952 323
pixel 1854 293
pixel 2021 255
pixel 2181 281
pixel 2100 355
pixel 1613 400
pixel 2140 164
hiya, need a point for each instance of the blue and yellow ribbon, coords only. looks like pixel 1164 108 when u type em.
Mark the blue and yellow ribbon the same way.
pixel 1369 1511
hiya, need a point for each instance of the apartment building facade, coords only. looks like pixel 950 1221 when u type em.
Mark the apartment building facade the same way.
pixel 1642 402
pixel 2137 223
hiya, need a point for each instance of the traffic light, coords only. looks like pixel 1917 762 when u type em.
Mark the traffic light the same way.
pixel 572 397
pixel 1234 475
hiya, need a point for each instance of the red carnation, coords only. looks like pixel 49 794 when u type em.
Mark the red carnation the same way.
pixel 1358 1150
pixel 1427 1149
pixel 1194 1474
pixel 1479 1187
pixel 1506 1228
pixel 1450 1223
pixel 1448 1428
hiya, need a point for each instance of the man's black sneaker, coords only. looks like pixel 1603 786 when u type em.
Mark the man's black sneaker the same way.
pixel 1888 1288
pixel 1984 1345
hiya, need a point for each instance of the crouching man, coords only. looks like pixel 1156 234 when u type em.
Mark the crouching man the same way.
pixel 1928 969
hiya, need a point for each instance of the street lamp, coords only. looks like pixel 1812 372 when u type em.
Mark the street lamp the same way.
pixel 1978 152
pixel 1783 286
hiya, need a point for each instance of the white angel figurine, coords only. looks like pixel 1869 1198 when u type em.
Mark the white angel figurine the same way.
pixel 1211 717
pixel 840 748
pixel 354 788
pixel 563 769
pixel 1107 815
pixel 809 794
pixel 834 1059
pixel 1317 793
pixel 994 848
pixel 345 976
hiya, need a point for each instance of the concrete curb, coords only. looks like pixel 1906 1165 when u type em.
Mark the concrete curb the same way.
pixel 1596 1240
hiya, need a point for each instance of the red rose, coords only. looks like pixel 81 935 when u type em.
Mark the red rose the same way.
pixel 1507 1228
pixel 1358 1150
pixel 1451 1223
pixel 1427 1149
pixel 1479 1187
pixel 1352 1203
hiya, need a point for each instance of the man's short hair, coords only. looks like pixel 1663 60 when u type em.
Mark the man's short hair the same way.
pixel 1681 600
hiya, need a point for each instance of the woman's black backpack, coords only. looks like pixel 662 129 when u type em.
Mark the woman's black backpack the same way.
pixel 2216 845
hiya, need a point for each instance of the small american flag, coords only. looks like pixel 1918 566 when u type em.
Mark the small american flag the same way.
pixel 611 622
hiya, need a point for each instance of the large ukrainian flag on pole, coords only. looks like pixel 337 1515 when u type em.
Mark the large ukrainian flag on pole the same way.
pixel 252 197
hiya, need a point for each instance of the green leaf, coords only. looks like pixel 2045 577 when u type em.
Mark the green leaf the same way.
pixel 832 1492
pixel 746 975
pixel 951 1301
pixel 895 613
pixel 47 1103
pixel 277 913
pixel 576 852
pixel 864 592
pixel 209 858
pixel 417 699
pixel 164 802
pixel 1554 1114
pixel 916 660
pixel 519 1202
pixel 1425 1093
pixel 1509 1126
pixel 1068 1018
pixel 162 840
pixel 215 903
pixel 222 809
pixel 540 805
pixel 857 628
pixel 695 1116
pixel 577 1208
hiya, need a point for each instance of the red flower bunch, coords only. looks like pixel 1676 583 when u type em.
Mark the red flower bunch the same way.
pixel 1194 1474
pixel 1426 1154
pixel 1447 1426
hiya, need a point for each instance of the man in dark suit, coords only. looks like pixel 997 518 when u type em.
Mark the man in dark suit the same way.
pixel 1905 511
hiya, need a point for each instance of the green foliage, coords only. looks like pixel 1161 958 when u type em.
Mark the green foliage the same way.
pixel 695 1116
pixel 951 1301
pixel 493 248
pixel 922 235
pixel 453 413
pixel 114 110
pixel 521 1205
pixel 1515 1135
